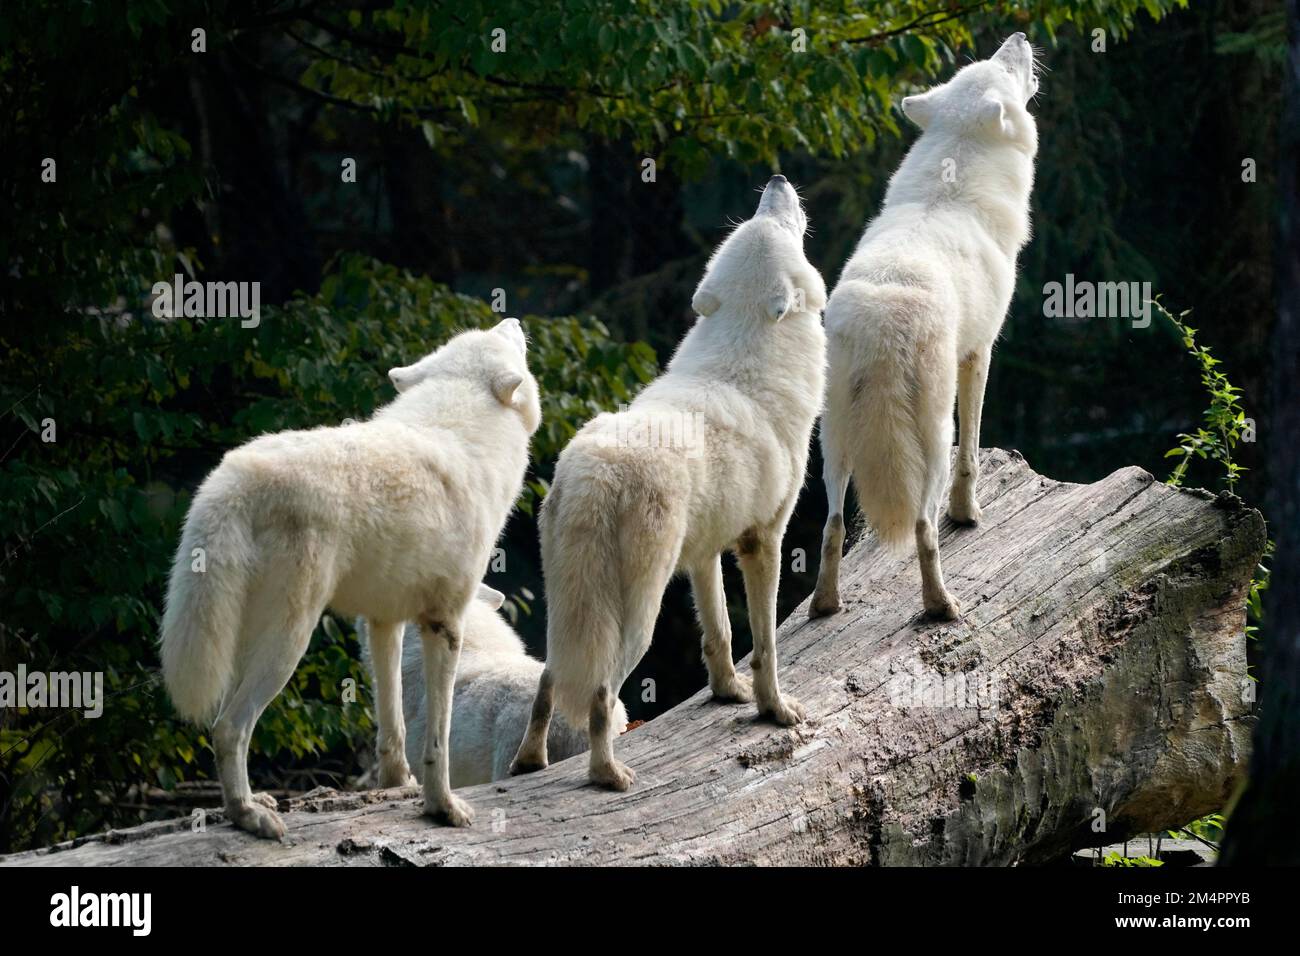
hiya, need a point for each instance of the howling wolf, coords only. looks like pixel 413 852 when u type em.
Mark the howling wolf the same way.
pixel 913 318
pixel 625 510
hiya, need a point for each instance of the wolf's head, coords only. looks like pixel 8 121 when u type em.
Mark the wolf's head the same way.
pixel 497 358
pixel 781 203
pixel 987 98
pixel 761 266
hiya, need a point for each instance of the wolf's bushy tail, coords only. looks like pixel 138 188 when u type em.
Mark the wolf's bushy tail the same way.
pixel 583 595
pixel 205 601
pixel 873 416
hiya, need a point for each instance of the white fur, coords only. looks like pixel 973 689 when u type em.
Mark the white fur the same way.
pixel 913 318
pixel 624 513
pixel 495 681
pixel 393 519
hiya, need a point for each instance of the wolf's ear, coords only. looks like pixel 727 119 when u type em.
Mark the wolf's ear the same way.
pixel 504 385
pixel 400 377
pixel 779 305
pixel 919 109
pixel 490 596
pixel 782 298
pixel 993 117
pixel 704 302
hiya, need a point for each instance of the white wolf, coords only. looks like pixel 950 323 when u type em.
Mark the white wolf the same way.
pixel 625 511
pixel 495 681
pixel 914 315
pixel 393 518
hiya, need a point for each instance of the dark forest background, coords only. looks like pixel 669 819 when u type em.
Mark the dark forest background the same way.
pixel 522 171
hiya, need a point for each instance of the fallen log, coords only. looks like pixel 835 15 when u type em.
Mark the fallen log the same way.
pixel 1095 687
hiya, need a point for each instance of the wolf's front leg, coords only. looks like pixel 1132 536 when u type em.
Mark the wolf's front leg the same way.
pixel 441 641
pixel 386 655
pixel 972 376
pixel 711 606
pixel 760 562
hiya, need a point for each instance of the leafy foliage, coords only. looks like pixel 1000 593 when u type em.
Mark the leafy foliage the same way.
pixel 690 80
pixel 1116 859
pixel 1255 597
pixel 1208 829
pixel 1224 422
pixel 1265 39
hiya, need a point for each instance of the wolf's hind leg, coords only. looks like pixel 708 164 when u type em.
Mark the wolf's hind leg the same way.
pixel 605 770
pixel 646 573
pixel 972 376
pixel 386 656
pixel 937 448
pixel 532 754
pixel 272 657
pixel 711 606
pixel 826 597
pixel 939 604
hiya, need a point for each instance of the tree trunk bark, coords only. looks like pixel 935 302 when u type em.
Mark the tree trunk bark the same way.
pixel 1094 688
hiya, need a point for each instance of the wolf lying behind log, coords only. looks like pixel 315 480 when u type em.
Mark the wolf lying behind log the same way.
pixel 495 681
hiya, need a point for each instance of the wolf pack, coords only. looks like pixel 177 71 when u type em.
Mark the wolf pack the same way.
pixel 393 520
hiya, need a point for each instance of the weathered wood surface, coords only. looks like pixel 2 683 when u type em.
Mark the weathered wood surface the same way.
pixel 1099 664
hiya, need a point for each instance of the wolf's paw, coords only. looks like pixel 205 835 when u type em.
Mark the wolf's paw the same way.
pixel 786 711
pixel 947 608
pixel 737 689
pixel 257 818
pixel 453 811
pixel 266 800
pixel 824 604
pixel 396 775
pixel 615 775
pixel 966 513
pixel 526 763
